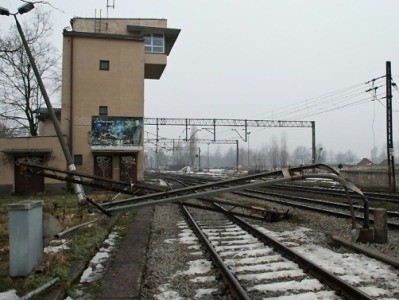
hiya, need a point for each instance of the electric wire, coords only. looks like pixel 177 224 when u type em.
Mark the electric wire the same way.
pixel 319 101
pixel 336 100
pixel 325 104
pixel 346 105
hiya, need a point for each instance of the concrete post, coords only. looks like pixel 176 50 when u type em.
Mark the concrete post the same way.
pixel 25 236
pixel 380 226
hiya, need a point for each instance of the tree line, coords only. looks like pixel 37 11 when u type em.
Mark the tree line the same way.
pixel 275 154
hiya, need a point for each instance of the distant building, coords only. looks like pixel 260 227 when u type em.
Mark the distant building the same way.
pixel 105 64
pixel 365 162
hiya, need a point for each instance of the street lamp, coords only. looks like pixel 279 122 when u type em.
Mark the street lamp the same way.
pixel 70 164
pixel 4 11
pixel 27 7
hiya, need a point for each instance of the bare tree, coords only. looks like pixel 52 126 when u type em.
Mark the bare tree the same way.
pixel 192 150
pixel 274 152
pixel 261 158
pixel 383 153
pixel 301 155
pixel 162 158
pixel 321 156
pixel 330 157
pixel 373 154
pixel 217 157
pixel 348 158
pixel 19 91
pixel 4 130
pixel 283 151
pixel 177 154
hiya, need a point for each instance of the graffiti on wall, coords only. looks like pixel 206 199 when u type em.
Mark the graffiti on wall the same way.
pixel 114 131
pixel 20 162
pixel 104 163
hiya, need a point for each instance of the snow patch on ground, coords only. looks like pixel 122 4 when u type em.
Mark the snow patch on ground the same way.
pixel 200 266
pixel 167 294
pixel 201 293
pixel 9 295
pixel 356 269
pixel 96 265
pixel 56 246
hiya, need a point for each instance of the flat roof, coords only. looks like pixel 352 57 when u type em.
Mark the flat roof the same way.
pixel 98 35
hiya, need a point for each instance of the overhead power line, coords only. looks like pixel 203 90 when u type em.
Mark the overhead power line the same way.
pixel 338 99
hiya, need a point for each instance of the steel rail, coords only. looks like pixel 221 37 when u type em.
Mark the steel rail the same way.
pixel 312 208
pixel 255 217
pixel 95 180
pixel 152 202
pixel 288 174
pixel 236 290
pixel 393 214
pixel 324 276
pixel 371 196
pixel 174 197
pixel 253 212
pixel 194 189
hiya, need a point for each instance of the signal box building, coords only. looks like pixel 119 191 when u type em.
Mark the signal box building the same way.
pixel 104 67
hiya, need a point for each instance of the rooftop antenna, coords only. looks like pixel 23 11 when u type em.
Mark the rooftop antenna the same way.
pixel 110 5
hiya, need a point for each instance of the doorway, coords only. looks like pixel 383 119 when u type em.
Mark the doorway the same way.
pixel 128 168
pixel 25 182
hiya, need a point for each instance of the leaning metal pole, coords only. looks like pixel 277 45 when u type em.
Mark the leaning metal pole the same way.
pixel 79 191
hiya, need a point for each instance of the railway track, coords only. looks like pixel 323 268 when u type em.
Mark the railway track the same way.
pixel 257 266
pixel 334 208
pixel 294 187
pixel 257 263
pixel 337 192
pixel 340 210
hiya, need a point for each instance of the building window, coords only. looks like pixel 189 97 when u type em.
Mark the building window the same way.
pixel 154 43
pixel 103 110
pixel 78 159
pixel 104 65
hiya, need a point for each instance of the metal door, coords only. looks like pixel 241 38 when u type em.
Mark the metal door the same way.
pixel 26 183
pixel 128 168
pixel 103 166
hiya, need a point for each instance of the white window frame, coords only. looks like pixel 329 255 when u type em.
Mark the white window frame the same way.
pixel 150 45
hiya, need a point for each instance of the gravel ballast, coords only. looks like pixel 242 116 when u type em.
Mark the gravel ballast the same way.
pixel 176 267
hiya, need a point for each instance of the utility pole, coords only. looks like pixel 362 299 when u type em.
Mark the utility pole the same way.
pixel 390 150
pixel 78 188
pixel 199 159
pixel 249 156
pixel 237 156
pixel 313 142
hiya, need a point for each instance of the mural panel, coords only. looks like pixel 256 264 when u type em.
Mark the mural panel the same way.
pixel 114 131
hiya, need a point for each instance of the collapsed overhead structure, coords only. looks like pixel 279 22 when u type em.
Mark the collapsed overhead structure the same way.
pixel 150 195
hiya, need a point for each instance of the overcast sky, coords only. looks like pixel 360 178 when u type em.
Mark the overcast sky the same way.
pixel 281 59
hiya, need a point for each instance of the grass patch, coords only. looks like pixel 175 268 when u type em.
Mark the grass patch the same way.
pixel 88 240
